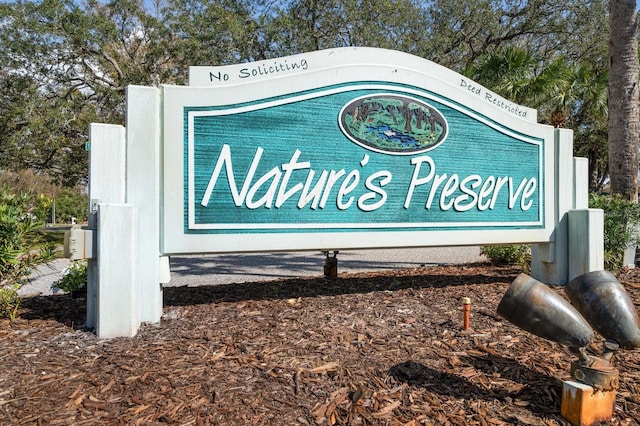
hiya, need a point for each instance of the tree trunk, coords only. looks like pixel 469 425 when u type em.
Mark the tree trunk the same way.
pixel 623 98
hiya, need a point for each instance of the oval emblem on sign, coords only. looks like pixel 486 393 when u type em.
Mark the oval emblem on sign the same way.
pixel 393 124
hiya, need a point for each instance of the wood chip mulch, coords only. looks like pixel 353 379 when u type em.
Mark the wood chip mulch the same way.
pixel 365 349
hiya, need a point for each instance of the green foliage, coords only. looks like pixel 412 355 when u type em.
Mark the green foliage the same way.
pixel 460 32
pixel 74 278
pixel 9 302
pixel 69 201
pixel 70 204
pixel 20 239
pixel 566 94
pixel 621 217
pixel 22 245
pixel 42 207
pixel 507 254
pixel 66 64
pixel 27 181
pixel 44 132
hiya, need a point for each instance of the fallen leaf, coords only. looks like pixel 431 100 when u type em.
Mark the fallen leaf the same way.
pixel 331 366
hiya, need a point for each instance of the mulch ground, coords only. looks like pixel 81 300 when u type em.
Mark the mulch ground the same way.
pixel 365 349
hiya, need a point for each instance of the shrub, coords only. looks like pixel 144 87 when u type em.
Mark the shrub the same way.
pixel 27 181
pixel 41 207
pixel 620 220
pixel 507 254
pixel 74 278
pixel 22 247
pixel 70 203
pixel 9 302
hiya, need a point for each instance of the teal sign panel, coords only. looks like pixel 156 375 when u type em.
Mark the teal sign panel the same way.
pixel 358 157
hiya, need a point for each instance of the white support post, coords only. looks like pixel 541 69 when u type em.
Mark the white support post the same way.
pixel 586 227
pixel 586 239
pixel 117 292
pixel 549 261
pixel 580 183
pixel 143 191
pixel 106 185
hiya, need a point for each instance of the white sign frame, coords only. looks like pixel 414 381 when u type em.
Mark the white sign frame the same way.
pixel 137 182
pixel 326 68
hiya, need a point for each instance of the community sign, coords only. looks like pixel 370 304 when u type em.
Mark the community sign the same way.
pixel 348 148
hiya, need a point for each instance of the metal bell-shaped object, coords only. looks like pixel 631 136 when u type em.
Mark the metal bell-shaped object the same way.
pixel 605 304
pixel 538 309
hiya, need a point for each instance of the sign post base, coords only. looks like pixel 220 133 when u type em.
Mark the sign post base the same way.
pixel 582 405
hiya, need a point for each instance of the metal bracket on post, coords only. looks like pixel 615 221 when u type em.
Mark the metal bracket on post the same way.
pixel 92 265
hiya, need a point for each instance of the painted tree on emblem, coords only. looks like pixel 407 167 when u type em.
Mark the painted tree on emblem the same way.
pixel 623 98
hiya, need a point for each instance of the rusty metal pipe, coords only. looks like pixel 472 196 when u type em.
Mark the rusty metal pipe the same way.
pixel 466 310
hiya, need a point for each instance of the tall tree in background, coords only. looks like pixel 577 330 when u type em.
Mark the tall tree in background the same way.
pixel 623 98
pixel 306 25
pixel 460 32
pixel 66 63
pixel 566 94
